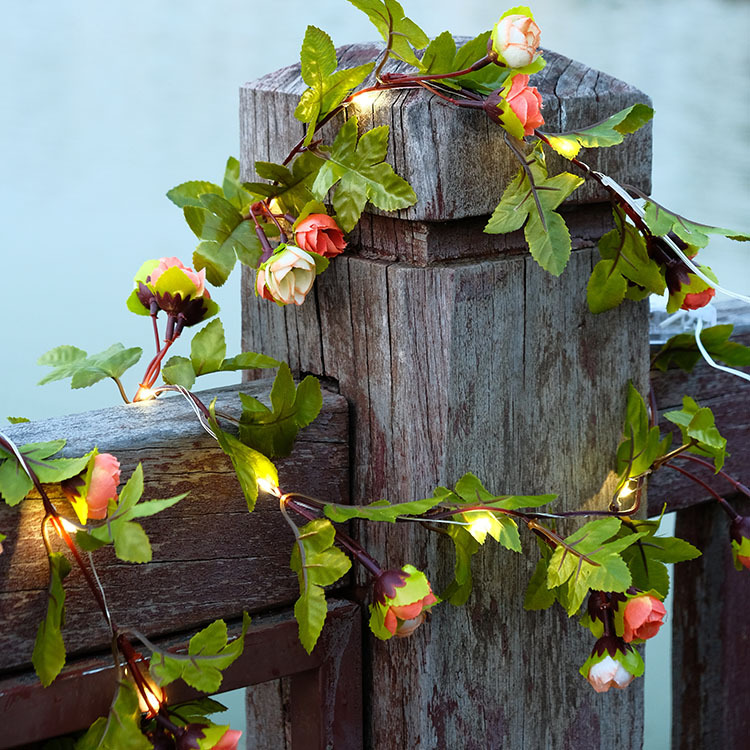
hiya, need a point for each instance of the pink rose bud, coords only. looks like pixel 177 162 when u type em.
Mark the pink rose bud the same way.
pixel 739 532
pixel 105 476
pixel 197 277
pixel 401 600
pixel 643 616
pixel 613 663
pixel 695 300
pixel 515 40
pixel 320 234
pixel 526 103
pixel 260 285
pixel 288 275
pixel 229 740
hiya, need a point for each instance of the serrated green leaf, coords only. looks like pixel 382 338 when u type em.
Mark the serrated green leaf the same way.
pixel 538 595
pixel 18 420
pixel 606 287
pixel 293 188
pixel 179 371
pixel 459 589
pixel 380 511
pixel 391 22
pixel 362 174
pixel 661 222
pixel 608 132
pixel 208 348
pixel 273 431
pixel 209 654
pixel 317 563
pixel 189 193
pixel 85 371
pixel 682 351
pixel 121 728
pixel 248 361
pixel 546 233
pixel 249 464
pixel 48 657
pixel 234 191
pixel 642 444
pixel 697 424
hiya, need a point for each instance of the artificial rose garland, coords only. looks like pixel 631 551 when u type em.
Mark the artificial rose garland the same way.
pixel 288 275
pixel 102 488
pixel 642 617
pixel 401 600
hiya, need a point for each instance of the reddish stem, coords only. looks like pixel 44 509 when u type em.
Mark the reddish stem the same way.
pixel 728 509
pixel 734 482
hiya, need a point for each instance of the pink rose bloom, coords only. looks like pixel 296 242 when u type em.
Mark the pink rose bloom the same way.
pixel 229 740
pixel 197 277
pixel 260 285
pixel 403 620
pixel 289 275
pixel 104 480
pixel 643 616
pixel 516 39
pixel 695 300
pixel 608 673
pixel 526 103
pixel 320 234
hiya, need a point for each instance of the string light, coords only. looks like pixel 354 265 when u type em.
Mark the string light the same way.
pixel 480 526
pixel 144 394
pixel 266 485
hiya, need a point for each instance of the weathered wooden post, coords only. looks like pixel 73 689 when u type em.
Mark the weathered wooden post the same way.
pixel 458 353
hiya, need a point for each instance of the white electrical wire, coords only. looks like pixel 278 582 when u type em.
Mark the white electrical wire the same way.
pixel 617 188
pixel 198 412
pixel 709 359
pixel 18 455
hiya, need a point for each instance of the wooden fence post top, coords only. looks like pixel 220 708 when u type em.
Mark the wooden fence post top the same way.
pixel 455 159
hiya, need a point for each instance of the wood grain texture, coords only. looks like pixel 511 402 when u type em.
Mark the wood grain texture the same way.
pixel 494 367
pixel 211 558
pixel 711 641
pixel 456 160
pixel 728 397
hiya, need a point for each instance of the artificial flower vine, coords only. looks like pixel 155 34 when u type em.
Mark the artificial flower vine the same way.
pixel 611 571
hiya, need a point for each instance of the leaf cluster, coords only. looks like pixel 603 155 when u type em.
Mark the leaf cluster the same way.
pixel 317 564
pixel 15 483
pixel 131 543
pixel 698 429
pixel 208 354
pixel 530 201
pixel 84 370
pixel 682 351
pixel 209 654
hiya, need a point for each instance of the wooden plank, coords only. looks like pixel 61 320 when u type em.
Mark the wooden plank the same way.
pixel 445 368
pixel 208 550
pixel 711 639
pixel 437 148
pixel 83 691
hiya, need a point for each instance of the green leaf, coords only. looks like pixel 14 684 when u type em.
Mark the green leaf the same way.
pixel 189 193
pixel 546 233
pixel 226 237
pixel 69 362
pixel 15 483
pixel 179 371
pixel 249 464
pixel 381 510
pixel 697 424
pixel 208 348
pixel 249 361
pixel 292 189
pixel 273 431
pixel 360 173
pixel 641 445
pixel 661 222
pixel 391 22
pixel 233 189
pixel 608 132
pixel 48 657
pixel 588 561
pixel 538 596
pixel 606 288
pixel 18 420
pixel 327 87
pixel 459 589
pixel 317 563
pixel 209 654
pixel 121 728
pixel 682 351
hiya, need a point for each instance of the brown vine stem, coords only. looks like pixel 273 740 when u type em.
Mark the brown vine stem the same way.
pixel 728 509
pixel 734 482
pixel 124 395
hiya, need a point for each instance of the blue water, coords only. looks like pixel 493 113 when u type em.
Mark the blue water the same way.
pixel 105 106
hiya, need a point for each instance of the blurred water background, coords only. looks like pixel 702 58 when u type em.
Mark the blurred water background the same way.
pixel 105 106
